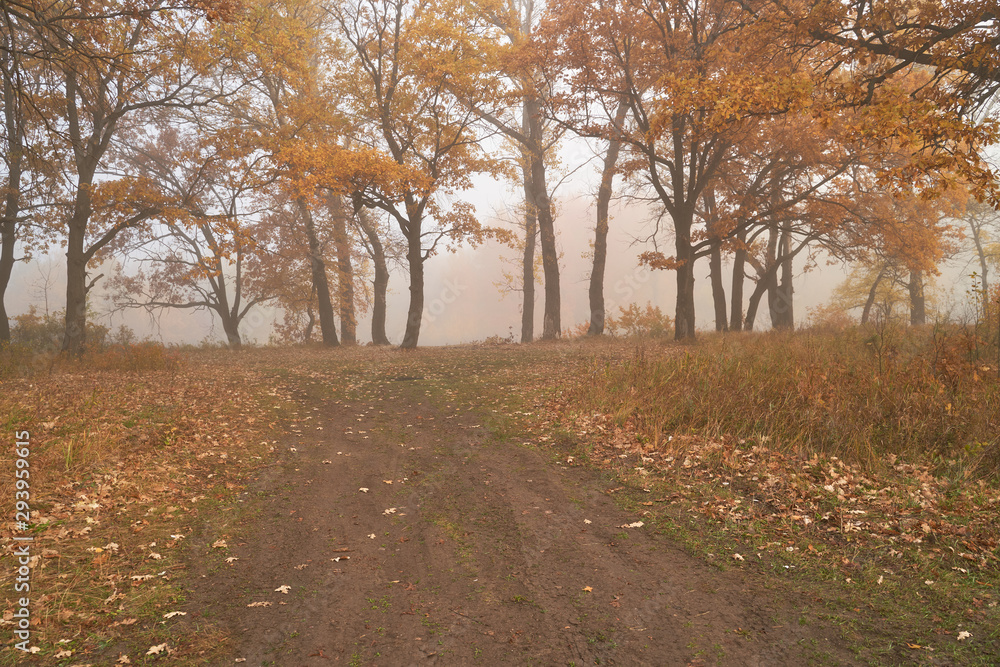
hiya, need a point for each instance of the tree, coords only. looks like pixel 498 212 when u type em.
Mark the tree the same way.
pixel 984 226
pixel 596 291
pixel 15 157
pixel 508 90
pixel 345 270
pixel 284 108
pixel 197 258
pixel 118 65
pixel 958 41
pixel 693 80
pixel 953 47
pixel 404 107
pixel 372 236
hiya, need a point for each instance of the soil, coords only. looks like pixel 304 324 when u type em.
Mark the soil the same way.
pixel 466 549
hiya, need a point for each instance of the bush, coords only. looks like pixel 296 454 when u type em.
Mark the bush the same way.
pixel 44 333
pixel 634 321
pixel 36 341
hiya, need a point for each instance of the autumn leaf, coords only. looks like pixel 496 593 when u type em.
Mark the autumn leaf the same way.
pixel 157 649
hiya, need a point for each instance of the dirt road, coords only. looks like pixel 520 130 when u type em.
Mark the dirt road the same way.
pixel 400 531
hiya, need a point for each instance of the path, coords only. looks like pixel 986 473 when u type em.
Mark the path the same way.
pixel 467 550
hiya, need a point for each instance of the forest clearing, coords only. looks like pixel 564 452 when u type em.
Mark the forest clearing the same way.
pixel 322 180
pixel 593 501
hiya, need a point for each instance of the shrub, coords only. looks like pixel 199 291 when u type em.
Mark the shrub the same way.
pixel 634 321
pixel 44 333
pixel 36 341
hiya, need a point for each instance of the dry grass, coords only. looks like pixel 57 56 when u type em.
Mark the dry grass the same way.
pixel 128 448
pixel 861 395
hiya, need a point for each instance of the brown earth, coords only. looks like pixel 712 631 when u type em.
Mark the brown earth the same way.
pixel 467 549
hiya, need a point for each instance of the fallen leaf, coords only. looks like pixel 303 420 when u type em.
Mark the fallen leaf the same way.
pixel 372 536
pixel 363 489
pixel 259 604
pixel 283 589
pixel 738 557
pixel 175 613
pixel 156 650
pixel 63 654
pixel 588 589
pixel 964 635
pixel 387 481
pixel 232 559
pixel 123 660
pixel 219 544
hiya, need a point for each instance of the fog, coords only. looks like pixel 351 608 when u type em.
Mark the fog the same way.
pixel 462 300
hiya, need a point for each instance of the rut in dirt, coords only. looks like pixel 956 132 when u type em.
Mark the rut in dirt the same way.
pixel 467 549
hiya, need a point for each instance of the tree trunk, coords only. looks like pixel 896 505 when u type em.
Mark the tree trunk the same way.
pixel 318 266
pixel 310 323
pixel 782 313
pixel 415 262
pixel 739 271
pixel 754 303
pixel 715 263
pixel 771 277
pixel 231 327
pixel 866 311
pixel 984 268
pixel 7 236
pixel 74 338
pixel 528 261
pixel 551 326
pixel 345 271
pixel 11 205
pixel 228 314
pixel 381 283
pixel 684 313
pixel 767 283
pixel 597 313
pixel 918 303
pixel 718 289
pixel 984 275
